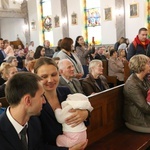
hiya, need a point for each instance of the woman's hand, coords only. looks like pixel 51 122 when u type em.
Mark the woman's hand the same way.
pixel 77 117
pixel 80 146
pixel 0 105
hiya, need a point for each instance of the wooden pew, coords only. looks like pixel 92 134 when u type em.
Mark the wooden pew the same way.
pixel 110 79
pixel 105 66
pixel 16 43
pixel 4 102
pixel 107 130
pixel 105 117
pixel 126 71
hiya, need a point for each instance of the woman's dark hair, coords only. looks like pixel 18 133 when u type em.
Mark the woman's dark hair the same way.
pixel 21 84
pixel 66 44
pixel 112 52
pixel 44 61
pixel 37 53
pixel 76 42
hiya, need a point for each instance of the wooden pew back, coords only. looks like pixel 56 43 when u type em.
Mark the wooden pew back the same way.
pixel 110 79
pixel 105 66
pixel 107 114
pixel 126 71
pixel 16 43
pixel 4 102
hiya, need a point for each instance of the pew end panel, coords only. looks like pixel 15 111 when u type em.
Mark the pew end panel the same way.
pixel 107 130
pixel 105 117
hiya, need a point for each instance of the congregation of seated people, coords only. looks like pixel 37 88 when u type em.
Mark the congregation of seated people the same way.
pixel 75 66
pixel 75 69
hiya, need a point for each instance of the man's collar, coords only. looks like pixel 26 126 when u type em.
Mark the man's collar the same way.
pixel 66 79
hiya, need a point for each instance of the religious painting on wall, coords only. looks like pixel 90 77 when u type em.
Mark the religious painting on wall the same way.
pixel 56 21
pixel 134 10
pixel 93 17
pixel 47 23
pixel 108 14
pixel 74 19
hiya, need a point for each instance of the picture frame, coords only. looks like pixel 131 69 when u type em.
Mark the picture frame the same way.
pixel 108 14
pixel 57 21
pixel 134 12
pixel 33 25
pixel 74 19
pixel 93 17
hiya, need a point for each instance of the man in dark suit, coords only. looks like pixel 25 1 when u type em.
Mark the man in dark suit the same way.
pixel 66 69
pixel 2 53
pixel 48 51
pixel 25 99
pixel 100 53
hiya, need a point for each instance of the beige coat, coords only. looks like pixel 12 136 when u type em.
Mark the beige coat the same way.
pixel 115 68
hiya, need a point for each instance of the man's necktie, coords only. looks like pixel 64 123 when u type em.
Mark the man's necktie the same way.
pixel 23 134
pixel 71 84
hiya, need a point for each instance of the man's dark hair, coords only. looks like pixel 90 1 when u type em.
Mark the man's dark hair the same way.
pixel 142 29
pixel 21 84
pixel 1 39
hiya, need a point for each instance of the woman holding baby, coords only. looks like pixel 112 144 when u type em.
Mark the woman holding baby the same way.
pixel 47 69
